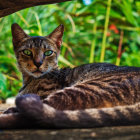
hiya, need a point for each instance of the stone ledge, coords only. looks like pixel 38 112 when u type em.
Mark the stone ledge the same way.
pixel 108 133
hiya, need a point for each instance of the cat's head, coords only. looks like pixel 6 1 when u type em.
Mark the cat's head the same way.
pixel 37 55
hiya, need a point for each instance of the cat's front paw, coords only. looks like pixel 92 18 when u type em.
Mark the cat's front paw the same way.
pixel 29 104
pixel 11 110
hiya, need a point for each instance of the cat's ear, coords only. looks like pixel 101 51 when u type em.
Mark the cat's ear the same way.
pixel 18 34
pixel 56 35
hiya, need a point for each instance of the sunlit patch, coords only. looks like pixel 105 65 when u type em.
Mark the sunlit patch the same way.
pixel 87 2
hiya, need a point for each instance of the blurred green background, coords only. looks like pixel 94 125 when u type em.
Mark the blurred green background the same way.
pixel 95 31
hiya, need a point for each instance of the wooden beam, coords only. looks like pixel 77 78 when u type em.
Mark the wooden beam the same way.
pixel 8 7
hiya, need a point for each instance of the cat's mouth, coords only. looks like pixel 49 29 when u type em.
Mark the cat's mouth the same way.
pixel 37 72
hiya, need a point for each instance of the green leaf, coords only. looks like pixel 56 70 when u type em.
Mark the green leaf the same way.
pixel 66 62
pixel 2 82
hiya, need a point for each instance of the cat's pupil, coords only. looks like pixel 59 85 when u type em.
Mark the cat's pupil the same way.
pixel 48 53
pixel 27 52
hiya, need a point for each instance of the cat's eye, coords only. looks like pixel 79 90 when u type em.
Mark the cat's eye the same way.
pixel 48 53
pixel 27 52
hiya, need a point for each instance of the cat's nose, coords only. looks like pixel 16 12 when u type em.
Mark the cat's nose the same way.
pixel 38 63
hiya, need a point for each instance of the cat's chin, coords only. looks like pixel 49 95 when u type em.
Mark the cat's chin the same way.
pixel 36 74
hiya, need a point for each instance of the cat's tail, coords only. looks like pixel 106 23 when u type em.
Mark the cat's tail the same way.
pixel 14 120
pixel 41 115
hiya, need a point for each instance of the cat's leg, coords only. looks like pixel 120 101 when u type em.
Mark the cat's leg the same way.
pixel 81 96
pixel 71 98
pixel 29 103
pixel 15 109
pixel 11 110
pixel 13 118
pixel 14 121
pixel 18 117
pixel 84 96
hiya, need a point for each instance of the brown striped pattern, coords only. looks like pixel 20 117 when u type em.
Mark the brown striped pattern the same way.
pixel 112 90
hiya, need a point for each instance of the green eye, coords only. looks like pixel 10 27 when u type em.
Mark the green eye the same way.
pixel 48 53
pixel 27 52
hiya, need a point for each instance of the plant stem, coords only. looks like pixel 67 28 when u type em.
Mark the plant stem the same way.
pixel 22 18
pixel 120 49
pixel 105 31
pixel 67 47
pixel 92 49
pixel 74 7
pixel 63 51
pixel 38 23
pixel 65 61
pixel 129 28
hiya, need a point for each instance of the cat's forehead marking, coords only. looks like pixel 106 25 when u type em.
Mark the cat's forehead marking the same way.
pixel 38 42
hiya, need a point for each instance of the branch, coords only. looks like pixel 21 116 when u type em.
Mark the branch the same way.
pixel 8 7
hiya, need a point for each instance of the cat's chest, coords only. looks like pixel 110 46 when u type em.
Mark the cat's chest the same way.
pixel 40 87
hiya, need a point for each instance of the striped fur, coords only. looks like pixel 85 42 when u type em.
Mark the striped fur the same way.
pixel 105 86
pixel 89 95
pixel 34 114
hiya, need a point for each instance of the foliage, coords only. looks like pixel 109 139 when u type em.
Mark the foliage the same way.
pixel 85 27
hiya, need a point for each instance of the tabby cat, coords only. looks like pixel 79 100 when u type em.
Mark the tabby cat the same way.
pixel 89 95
